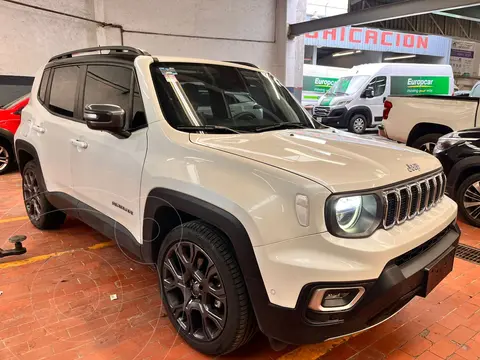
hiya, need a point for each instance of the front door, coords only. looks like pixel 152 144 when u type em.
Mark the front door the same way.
pixel 379 86
pixel 107 168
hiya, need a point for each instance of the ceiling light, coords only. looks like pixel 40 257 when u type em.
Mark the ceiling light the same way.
pixel 400 57
pixel 346 53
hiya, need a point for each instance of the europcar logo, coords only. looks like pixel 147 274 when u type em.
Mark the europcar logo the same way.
pixel 324 82
pixel 418 84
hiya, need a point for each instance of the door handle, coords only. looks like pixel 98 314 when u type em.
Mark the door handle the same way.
pixel 38 129
pixel 79 144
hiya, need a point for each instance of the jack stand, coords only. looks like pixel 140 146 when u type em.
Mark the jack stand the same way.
pixel 18 250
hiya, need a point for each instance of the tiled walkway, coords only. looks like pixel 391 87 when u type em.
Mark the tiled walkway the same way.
pixel 56 305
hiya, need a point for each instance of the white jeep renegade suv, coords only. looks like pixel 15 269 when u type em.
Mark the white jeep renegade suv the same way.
pixel 252 217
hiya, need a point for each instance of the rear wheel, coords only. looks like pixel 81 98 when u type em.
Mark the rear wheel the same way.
pixel 203 289
pixel 426 142
pixel 41 213
pixel 358 124
pixel 6 157
pixel 468 199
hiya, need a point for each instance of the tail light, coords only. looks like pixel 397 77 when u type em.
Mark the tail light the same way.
pixel 387 106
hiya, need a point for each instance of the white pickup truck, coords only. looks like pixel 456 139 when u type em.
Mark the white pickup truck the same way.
pixel 419 121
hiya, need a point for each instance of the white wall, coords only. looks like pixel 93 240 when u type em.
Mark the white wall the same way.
pixel 326 8
pixel 222 30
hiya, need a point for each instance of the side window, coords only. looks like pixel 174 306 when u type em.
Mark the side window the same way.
pixel 139 119
pixel 378 85
pixel 64 89
pixel 108 85
pixel 43 86
pixel 475 91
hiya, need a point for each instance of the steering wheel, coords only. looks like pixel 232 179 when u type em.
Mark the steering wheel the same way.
pixel 244 114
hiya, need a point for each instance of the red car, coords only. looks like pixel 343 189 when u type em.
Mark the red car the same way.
pixel 9 122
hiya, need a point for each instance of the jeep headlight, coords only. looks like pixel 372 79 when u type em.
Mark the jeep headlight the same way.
pixel 353 216
pixel 450 140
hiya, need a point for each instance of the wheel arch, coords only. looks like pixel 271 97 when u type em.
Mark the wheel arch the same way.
pixel 24 153
pixel 169 208
pixel 8 137
pixel 362 110
pixel 462 170
pixel 422 129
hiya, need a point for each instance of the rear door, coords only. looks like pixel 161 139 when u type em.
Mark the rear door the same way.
pixel 107 168
pixel 53 124
pixel 379 86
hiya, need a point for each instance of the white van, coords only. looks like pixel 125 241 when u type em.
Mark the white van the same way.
pixel 356 100
pixel 317 80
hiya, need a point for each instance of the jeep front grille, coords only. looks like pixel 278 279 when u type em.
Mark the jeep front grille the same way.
pixel 408 201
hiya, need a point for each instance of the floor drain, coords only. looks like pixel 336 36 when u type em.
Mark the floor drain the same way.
pixel 468 253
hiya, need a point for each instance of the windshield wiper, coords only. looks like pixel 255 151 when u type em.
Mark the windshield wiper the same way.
pixel 217 128
pixel 283 125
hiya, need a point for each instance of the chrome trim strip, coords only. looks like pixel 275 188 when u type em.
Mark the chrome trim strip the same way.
pixel 427 198
pixel 435 191
pixel 420 196
pixel 385 199
pixel 408 204
pixel 399 203
pixel 317 299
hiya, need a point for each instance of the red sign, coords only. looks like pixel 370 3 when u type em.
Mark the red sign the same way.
pixel 353 35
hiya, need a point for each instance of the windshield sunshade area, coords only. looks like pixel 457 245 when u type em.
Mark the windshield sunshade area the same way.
pixel 348 85
pixel 225 99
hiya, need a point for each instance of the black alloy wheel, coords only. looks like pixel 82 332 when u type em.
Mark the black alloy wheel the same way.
pixel 31 195
pixel 194 291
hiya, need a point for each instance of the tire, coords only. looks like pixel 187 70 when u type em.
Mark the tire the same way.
pixel 357 124
pixel 469 192
pixel 426 142
pixel 7 158
pixel 42 214
pixel 221 272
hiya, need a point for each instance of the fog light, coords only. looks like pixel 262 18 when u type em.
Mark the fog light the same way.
pixel 335 299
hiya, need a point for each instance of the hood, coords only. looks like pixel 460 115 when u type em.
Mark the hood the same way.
pixel 332 100
pixel 338 160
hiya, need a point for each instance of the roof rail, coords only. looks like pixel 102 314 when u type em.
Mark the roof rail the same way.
pixel 112 49
pixel 243 63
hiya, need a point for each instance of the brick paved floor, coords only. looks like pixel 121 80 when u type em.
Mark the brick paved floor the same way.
pixel 59 307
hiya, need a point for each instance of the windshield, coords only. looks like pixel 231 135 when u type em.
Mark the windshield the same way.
pixel 216 96
pixel 348 85
pixel 14 102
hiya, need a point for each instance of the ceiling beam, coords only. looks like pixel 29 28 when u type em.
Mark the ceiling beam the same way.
pixel 380 13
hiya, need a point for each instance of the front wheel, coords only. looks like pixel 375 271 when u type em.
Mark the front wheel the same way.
pixel 358 124
pixel 468 199
pixel 426 142
pixel 203 289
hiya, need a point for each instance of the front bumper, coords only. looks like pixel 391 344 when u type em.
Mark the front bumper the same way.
pixel 335 117
pixel 402 279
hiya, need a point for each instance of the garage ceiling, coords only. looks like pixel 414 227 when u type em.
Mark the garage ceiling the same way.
pixel 387 10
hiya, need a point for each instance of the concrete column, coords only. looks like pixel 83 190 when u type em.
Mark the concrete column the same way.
pixel 295 49
pixel 106 35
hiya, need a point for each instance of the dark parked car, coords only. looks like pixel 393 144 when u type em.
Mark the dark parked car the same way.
pixel 459 153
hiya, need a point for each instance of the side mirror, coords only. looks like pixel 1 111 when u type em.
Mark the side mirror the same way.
pixel 104 117
pixel 18 111
pixel 369 93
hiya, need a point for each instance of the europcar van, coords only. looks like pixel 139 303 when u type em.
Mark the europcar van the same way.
pixel 356 100
pixel 317 80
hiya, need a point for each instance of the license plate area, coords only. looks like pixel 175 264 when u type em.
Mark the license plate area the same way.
pixel 439 269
